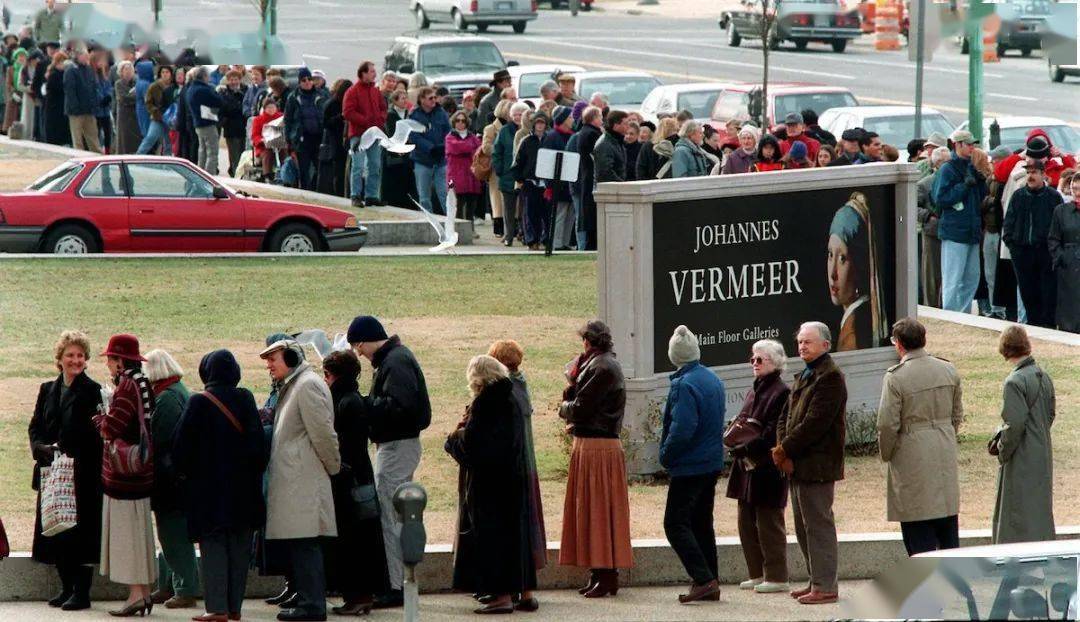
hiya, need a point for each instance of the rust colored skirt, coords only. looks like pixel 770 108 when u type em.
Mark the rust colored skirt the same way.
pixel 596 513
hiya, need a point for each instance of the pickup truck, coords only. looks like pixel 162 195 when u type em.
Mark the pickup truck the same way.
pixel 800 22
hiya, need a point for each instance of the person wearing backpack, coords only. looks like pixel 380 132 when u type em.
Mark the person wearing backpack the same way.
pixel 127 476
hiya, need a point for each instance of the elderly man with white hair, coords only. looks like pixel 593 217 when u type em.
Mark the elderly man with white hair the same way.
pixel 741 160
pixel 810 451
pixel 549 91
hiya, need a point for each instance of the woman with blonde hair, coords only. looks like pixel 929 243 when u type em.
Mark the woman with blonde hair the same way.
pixel 492 554
pixel 62 424
pixel 854 283
pixel 178 577
pixel 487 146
pixel 654 156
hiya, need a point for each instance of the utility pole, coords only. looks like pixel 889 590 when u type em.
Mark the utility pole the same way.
pixel 974 33
pixel 920 61
pixel 155 6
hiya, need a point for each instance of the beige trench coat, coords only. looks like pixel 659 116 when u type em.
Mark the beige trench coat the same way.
pixel 303 456
pixel 918 420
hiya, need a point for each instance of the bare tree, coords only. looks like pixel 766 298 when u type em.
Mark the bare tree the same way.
pixel 770 40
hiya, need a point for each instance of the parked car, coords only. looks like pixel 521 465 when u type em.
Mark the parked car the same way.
pixel 479 13
pixel 697 97
pixel 784 98
pixel 1014 131
pixel 1058 72
pixel 584 5
pixel 528 78
pixel 458 62
pixel 120 204
pixel 1022 26
pixel 625 90
pixel 818 21
pixel 894 124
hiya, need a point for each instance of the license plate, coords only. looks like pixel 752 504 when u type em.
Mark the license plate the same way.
pixel 821 21
pixel 504 6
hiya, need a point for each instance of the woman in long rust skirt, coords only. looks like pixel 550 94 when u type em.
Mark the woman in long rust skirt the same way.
pixel 596 513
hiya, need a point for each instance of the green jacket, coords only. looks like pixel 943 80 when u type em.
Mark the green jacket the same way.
pixel 502 157
pixel 167 410
pixel 48 26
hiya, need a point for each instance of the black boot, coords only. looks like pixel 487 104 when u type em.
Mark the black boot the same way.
pixel 66 588
pixel 497 224
pixel 590 583
pixel 82 577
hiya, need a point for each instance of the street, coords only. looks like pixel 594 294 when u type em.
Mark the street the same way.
pixel 336 35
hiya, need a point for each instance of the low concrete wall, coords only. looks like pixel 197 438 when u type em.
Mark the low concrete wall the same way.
pixel 862 556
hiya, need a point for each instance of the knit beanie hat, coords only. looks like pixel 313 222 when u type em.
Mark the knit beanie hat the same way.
pixel 798 150
pixel 683 347
pixel 579 108
pixel 303 73
pixel 365 328
pixel 560 115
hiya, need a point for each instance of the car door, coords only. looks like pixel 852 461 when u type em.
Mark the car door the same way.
pixel 102 197
pixel 172 209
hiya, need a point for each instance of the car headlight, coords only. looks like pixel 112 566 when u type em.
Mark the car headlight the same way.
pixel 350 222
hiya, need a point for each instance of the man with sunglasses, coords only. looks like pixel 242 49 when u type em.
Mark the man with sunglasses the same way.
pixel 304 126
pixel 429 157
pixel 918 421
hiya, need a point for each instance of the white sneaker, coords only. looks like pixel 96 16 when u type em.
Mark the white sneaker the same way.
pixel 770 587
pixel 750 584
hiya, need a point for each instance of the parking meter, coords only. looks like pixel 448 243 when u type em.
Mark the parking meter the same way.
pixel 410 499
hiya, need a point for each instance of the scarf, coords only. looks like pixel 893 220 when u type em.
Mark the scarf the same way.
pixel 160 386
pixel 580 361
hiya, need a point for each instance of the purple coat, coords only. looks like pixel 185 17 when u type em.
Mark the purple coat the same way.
pixel 764 486
pixel 459 153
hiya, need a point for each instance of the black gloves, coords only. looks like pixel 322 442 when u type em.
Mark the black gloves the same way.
pixel 43 453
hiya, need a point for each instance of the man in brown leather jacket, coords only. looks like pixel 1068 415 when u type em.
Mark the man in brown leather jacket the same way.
pixel 810 451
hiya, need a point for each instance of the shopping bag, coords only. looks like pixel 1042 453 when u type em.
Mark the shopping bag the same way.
pixel 58 513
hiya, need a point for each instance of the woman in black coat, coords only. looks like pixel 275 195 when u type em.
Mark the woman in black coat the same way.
pixel 57 129
pixel 399 186
pixel 220 458
pixel 332 153
pixel 492 554
pixel 356 560
pixel 63 421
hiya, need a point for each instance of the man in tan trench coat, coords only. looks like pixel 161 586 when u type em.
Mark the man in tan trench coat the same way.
pixel 303 455
pixel 918 420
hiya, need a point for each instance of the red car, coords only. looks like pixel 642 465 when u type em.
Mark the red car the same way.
pixel 123 204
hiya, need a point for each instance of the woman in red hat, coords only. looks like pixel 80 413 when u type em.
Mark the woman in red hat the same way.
pixel 127 474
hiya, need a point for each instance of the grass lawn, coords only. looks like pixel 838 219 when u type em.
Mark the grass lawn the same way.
pixel 446 309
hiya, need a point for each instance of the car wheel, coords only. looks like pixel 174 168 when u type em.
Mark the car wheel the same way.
pixel 481 27
pixel 1056 74
pixel 733 36
pixel 459 21
pixel 519 27
pixel 422 21
pixel 295 238
pixel 800 44
pixel 839 45
pixel 71 240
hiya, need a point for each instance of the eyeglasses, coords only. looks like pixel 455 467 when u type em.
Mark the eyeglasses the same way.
pixel 757 360
pixel 430 99
pixel 305 79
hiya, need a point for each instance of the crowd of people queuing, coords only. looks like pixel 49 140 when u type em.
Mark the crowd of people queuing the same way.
pixel 289 487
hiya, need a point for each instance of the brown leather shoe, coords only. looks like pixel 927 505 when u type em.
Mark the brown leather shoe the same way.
pixel 797 594
pixel 701 592
pixel 180 602
pixel 819 598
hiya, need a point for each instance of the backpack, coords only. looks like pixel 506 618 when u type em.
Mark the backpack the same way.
pixel 481 165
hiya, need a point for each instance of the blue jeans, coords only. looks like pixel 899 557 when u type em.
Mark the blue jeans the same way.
pixel 366 170
pixel 990 258
pixel 959 275
pixel 425 177
pixel 154 134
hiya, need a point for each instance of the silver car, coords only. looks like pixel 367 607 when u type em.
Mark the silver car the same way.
pixel 479 13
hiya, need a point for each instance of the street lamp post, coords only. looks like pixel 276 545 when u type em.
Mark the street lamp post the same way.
pixel 973 26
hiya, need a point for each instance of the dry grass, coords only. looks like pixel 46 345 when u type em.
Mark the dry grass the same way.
pixel 17 172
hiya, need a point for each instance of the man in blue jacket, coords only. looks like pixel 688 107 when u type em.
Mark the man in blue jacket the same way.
pixel 692 451
pixel 203 105
pixel 429 157
pixel 958 192
pixel 80 101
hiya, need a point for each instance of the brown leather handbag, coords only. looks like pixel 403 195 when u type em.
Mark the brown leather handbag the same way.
pixel 741 432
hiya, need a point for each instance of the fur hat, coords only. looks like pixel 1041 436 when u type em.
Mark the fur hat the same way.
pixel 683 347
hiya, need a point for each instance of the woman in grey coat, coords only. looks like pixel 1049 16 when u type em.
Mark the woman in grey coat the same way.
pixel 128 136
pixel 1024 510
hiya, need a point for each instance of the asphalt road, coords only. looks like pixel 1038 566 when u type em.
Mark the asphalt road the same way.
pixel 336 35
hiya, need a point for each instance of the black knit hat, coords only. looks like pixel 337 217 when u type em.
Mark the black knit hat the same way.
pixel 364 329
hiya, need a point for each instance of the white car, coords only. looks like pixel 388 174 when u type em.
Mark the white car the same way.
pixel 479 13
pixel 528 78
pixel 625 90
pixel 697 97
pixel 894 124
pixel 1014 131
pixel 1058 72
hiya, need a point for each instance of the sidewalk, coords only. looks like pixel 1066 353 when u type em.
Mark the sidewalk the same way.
pixel 653 603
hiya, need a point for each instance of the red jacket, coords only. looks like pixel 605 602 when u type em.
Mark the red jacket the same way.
pixel 364 107
pixel 256 131
pixel 1054 166
pixel 765 167
pixel 812 146
pixel 121 422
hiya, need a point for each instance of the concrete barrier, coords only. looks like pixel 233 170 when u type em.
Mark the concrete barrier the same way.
pixel 862 556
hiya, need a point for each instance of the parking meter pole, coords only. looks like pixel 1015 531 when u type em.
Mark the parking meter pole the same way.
pixel 409 502
pixel 412 594
pixel 556 183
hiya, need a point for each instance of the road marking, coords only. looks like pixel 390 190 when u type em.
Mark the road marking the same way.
pixel 709 61
pixel 1016 97
pixel 315 56
pixel 322 3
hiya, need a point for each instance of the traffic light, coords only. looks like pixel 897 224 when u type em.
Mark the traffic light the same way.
pixel 755 107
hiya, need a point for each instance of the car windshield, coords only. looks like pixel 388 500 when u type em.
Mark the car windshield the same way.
pixel 443 58
pixel 530 84
pixel 818 102
pixel 620 91
pixel 57 180
pixel 699 103
pixel 1064 137
pixel 898 130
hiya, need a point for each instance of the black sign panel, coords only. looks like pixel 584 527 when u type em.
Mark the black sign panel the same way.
pixel 739 269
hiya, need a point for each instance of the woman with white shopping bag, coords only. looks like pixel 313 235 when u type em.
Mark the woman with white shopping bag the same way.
pixel 127 474
pixel 62 430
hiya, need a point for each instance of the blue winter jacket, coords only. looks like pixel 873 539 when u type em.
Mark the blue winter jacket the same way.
pixel 200 94
pixel 105 98
pixel 692 442
pixel 952 188
pixel 80 90
pixel 144 72
pixel 431 143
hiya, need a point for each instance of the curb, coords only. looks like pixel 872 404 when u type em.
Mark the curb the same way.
pixel 985 323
